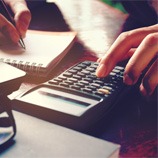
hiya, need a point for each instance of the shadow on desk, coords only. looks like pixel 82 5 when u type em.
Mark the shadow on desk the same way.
pixel 133 125
pixel 6 147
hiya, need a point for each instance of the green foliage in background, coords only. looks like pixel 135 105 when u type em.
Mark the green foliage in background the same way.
pixel 117 5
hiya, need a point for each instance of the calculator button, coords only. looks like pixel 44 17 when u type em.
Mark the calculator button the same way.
pixel 115 86
pixel 108 88
pixel 92 76
pixel 77 68
pixel 121 74
pixel 83 66
pixel 67 74
pixel 86 63
pixel 64 84
pixel 72 71
pixel 87 90
pixel 104 91
pixel 94 66
pixel 73 79
pixel 116 71
pixel 62 77
pixel 113 81
pixel 84 82
pixel 96 85
pixel 77 77
pixel 99 82
pixel 80 85
pixel 88 80
pixel 53 82
pixel 100 94
pixel 90 69
pixel 81 74
pixel 76 87
pixel 119 68
pixel 69 82
pixel 119 78
pixel 112 74
pixel 85 72
pixel 58 79
pixel 92 87
pixel 104 80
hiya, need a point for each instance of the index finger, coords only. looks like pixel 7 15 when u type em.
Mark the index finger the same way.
pixel 120 47
pixel 22 14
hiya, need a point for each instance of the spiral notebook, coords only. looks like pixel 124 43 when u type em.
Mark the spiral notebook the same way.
pixel 44 50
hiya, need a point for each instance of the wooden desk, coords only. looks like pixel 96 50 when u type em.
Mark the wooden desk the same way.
pixel 134 124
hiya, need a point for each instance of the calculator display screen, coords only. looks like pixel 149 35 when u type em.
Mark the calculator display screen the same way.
pixel 63 99
pixel 59 101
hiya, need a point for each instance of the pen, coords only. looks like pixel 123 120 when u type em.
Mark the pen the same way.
pixel 10 18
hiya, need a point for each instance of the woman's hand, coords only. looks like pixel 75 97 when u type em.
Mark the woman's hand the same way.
pixel 22 17
pixel 141 46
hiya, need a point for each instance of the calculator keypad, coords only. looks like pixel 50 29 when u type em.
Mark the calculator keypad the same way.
pixel 82 78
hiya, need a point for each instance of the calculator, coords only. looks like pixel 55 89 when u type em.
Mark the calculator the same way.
pixel 76 98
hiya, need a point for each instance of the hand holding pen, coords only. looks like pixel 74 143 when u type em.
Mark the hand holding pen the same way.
pixel 14 27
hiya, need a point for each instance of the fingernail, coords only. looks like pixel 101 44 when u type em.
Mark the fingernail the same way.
pixel 22 29
pixel 101 70
pixel 127 79
pixel 143 90
pixel 24 26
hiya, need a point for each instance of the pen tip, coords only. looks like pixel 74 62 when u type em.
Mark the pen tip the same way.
pixel 22 44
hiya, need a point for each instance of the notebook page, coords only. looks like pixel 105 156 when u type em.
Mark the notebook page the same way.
pixel 41 47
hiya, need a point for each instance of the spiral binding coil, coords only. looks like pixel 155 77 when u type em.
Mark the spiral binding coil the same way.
pixel 31 68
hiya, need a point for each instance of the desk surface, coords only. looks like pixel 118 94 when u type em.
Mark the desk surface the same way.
pixel 40 139
pixel 134 124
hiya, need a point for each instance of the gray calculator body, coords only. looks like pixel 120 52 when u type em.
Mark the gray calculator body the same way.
pixel 76 99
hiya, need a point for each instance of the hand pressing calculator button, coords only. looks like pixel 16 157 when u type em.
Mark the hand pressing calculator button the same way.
pixel 77 98
pixel 85 81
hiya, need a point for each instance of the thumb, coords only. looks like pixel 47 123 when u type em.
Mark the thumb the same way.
pixel 22 15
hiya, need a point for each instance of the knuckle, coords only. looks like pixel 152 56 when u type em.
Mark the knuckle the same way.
pixel 146 81
pixel 152 39
pixel 112 58
pixel 4 29
pixel 149 83
pixel 2 19
pixel 133 72
pixel 124 36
